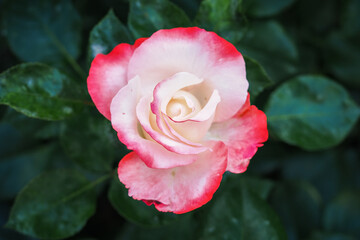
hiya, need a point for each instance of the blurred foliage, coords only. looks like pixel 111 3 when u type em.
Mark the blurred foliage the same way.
pixel 58 154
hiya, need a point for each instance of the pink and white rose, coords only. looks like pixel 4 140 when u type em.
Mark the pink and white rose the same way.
pixel 179 100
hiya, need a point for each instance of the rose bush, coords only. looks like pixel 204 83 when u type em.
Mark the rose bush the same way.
pixel 178 99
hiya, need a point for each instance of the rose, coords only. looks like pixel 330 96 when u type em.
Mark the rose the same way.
pixel 179 100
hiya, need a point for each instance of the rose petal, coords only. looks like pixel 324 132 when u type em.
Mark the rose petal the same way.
pixel 164 91
pixel 177 190
pixel 143 114
pixel 195 128
pixel 108 74
pixel 209 109
pixel 242 134
pixel 125 122
pixel 195 51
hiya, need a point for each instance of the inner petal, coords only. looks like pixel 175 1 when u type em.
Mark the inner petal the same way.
pixel 182 106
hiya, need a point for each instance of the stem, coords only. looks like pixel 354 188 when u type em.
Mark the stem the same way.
pixel 62 49
pixel 84 189
pixel 64 52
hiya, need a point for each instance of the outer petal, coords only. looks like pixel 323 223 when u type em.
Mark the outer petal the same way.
pixel 125 122
pixel 177 190
pixel 199 52
pixel 242 134
pixel 108 74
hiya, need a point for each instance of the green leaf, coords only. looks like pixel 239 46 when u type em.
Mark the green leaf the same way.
pixel 287 198
pixel 38 91
pixel 311 112
pixel 108 33
pixel 322 17
pixel 342 214
pixel 54 205
pixel 92 145
pixel 36 128
pixel 341 165
pixel 268 158
pixel 341 56
pixel 239 213
pixel 257 77
pixel 136 211
pixel 8 234
pixel 148 16
pixel 264 8
pixel 18 169
pixel 190 6
pixel 44 31
pixel 184 228
pixel 329 236
pixel 215 12
pixel 10 139
pixel 349 19
pixel 268 43
pixel 221 16
pixel 261 187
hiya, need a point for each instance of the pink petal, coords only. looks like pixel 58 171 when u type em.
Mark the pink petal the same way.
pixel 195 51
pixel 177 190
pixel 143 114
pixel 108 74
pixel 125 122
pixel 242 134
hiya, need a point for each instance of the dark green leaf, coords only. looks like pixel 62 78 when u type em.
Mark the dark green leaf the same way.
pixel 8 234
pixel 315 168
pixel 311 112
pixel 92 144
pixel 350 21
pixel 261 187
pixel 215 12
pixel 342 214
pixel 148 16
pixel 315 16
pixel 190 6
pixel 264 8
pixel 18 169
pixel 183 228
pixel 220 16
pixel 44 31
pixel 239 213
pixel 38 91
pixel 257 77
pixel 298 221
pixel 36 128
pixel 329 236
pixel 268 158
pixel 10 139
pixel 54 205
pixel 108 33
pixel 342 57
pixel 268 43
pixel 136 211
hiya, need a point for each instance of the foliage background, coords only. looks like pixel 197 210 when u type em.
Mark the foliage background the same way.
pixel 57 153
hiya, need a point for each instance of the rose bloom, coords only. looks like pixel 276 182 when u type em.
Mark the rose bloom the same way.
pixel 179 100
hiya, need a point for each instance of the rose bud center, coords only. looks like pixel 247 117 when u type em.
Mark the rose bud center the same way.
pixel 182 106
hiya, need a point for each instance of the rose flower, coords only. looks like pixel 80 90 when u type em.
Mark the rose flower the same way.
pixel 179 100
